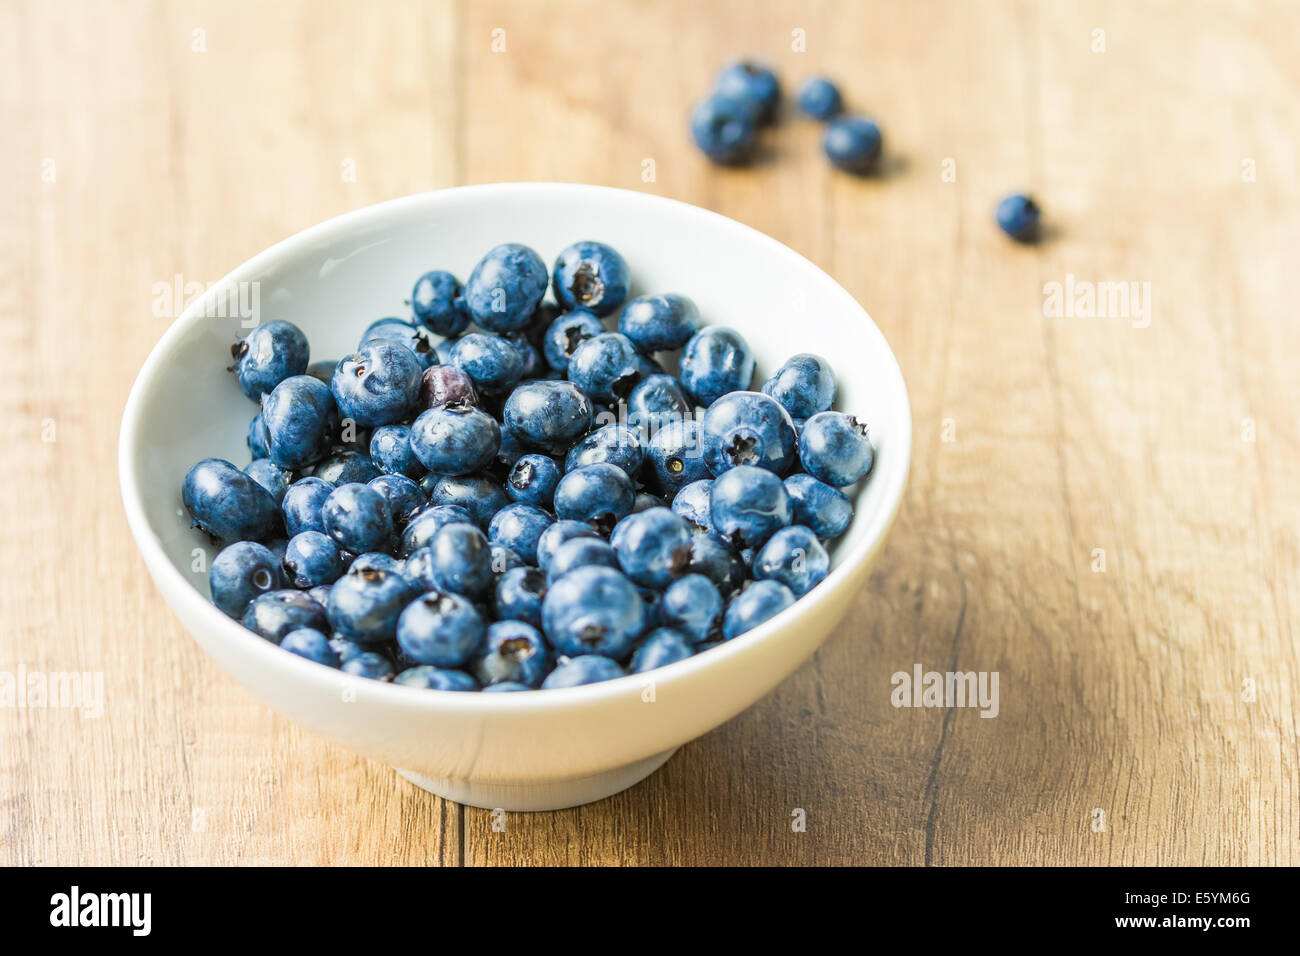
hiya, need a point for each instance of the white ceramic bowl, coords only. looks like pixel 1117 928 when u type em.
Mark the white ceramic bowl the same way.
pixel 524 751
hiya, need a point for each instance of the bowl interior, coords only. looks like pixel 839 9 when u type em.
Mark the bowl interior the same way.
pixel 334 279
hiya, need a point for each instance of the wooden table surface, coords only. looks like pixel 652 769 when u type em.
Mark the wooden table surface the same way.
pixel 1104 510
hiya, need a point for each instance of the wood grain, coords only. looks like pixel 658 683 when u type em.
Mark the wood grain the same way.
pixel 1042 443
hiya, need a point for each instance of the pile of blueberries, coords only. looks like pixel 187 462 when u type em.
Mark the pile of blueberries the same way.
pixel 533 501
pixel 726 123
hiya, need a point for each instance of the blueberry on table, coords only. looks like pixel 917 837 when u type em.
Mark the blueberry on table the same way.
pixel 593 610
pixel 804 385
pixel 240 573
pixel 693 605
pixel 753 82
pixel 274 614
pixel 819 98
pixel 822 508
pixel 364 605
pixel 403 495
pixel 492 363
pixel 438 303
pixel 312 559
pixel 1019 217
pixel 532 480
pixel 835 448
pixel 300 418
pixel 590 275
pixel 748 506
pixel 548 416
pixel 661 647
pixel 748 428
pixel 852 144
pixel 759 602
pixel 717 360
pixel 358 518
pixel 302 503
pixel 312 644
pixel 228 504
pixel 272 352
pixel 607 367
pixel 455 439
pixel 794 557
pixel 581 553
pixel 505 287
pixel 436 678
pixel 675 457
pixel 519 595
pixel 514 652
pixel 378 384
pixel 597 494
pixel 653 547
pixel 441 629
pixel 556 535
pixel 587 669
pixel 519 527
pixel 725 128
pixel 444 385
pixel 661 322
pixel 613 444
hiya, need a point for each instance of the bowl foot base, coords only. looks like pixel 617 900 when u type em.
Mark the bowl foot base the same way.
pixel 542 794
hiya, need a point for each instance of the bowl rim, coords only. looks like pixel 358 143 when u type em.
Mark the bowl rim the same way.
pixel 179 590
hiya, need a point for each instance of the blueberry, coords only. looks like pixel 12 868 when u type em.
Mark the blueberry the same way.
pixel 793 557
pixel 661 647
pixel 518 527
pixel 455 439
pixel 505 687
pixel 714 558
pixel 748 505
pixel 375 561
pixel 693 605
pixel 804 385
pixel 390 450
pixel 346 466
pixel 593 610
pixel 580 553
pixel 491 362
pixel 272 352
pixel 662 322
pixel 607 367
pixel 377 384
pixel 819 98
pixel 547 416
pixel 435 678
pixel 240 573
pixel 370 665
pixel 653 547
pixel 274 614
pixel 759 602
pixel 598 494
pixel 692 503
pixel 644 501
pixel 481 496
pixel 503 560
pixel 675 457
pixel 428 521
pixel 725 128
pixel 322 371
pixel 438 305
pixel 556 535
pixel 754 82
pixel 835 448
pixel 364 605
pixel 747 428
pixel 445 385
pixel 441 629
pixel 532 480
pixel 358 518
pixel 590 275
pixel 514 652
pixel 532 364
pixel 505 287
pixel 458 559
pixel 614 444
pixel 259 442
pixel 717 360
pixel 823 508
pixel 226 503
pixel 1019 217
pixel 401 332
pixel 852 144
pixel 519 595
pixel 565 334
pixel 312 558
pixel 657 401
pixel 312 644
pixel 402 494
pixel 587 669
pixel 270 476
pixel 300 418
